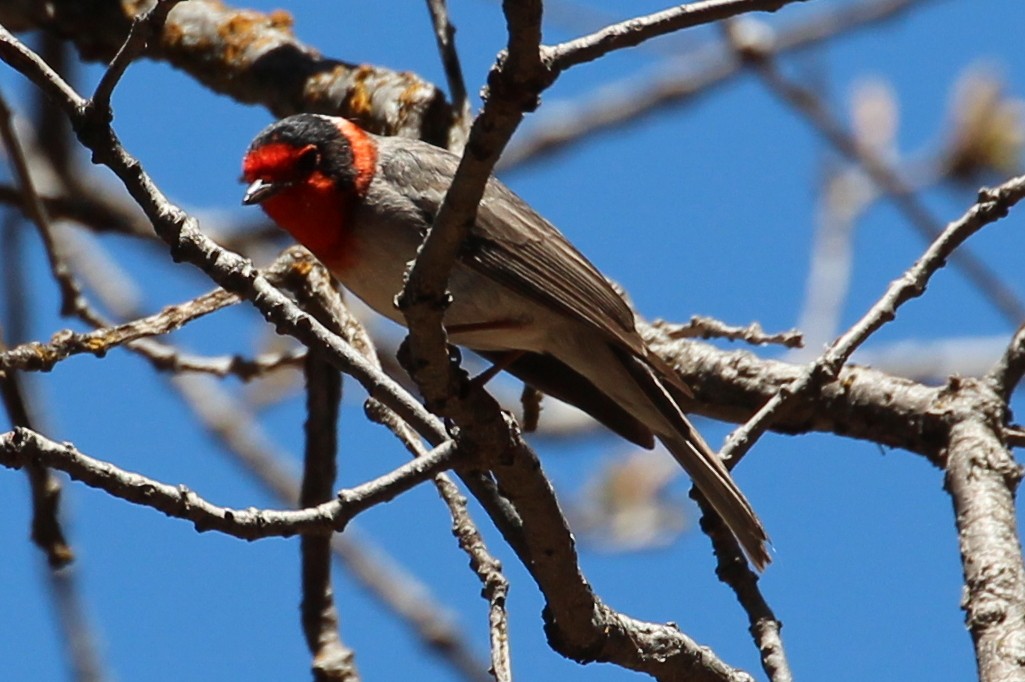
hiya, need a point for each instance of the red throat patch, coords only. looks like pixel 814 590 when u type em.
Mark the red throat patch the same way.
pixel 315 211
pixel 317 215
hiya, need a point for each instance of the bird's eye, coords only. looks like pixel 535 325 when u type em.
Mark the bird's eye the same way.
pixel 308 160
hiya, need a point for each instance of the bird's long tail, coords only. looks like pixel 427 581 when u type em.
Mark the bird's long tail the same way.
pixel 703 465
pixel 715 483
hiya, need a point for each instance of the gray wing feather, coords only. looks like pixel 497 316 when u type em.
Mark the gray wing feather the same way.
pixel 512 244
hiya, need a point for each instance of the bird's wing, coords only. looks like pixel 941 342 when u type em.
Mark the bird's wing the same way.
pixel 512 244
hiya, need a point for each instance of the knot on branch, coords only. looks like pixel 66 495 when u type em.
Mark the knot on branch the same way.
pixel 518 88
pixel 564 643
pixel 446 382
pixel 91 125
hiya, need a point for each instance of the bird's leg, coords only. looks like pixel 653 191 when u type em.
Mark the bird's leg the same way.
pixel 507 359
pixel 469 330
pixel 476 327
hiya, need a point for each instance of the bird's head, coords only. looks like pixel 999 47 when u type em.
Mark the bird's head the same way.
pixel 307 171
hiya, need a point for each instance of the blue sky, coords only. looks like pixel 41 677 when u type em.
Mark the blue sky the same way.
pixel 708 208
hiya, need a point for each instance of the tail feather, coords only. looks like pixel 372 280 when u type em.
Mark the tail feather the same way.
pixel 702 464
pixel 715 483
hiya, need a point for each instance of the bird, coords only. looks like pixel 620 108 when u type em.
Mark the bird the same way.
pixel 522 296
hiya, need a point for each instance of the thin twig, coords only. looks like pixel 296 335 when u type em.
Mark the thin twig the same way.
pixel 47 530
pixel 515 84
pixel 639 29
pixel 679 78
pixel 399 591
pixel 445 36
pixel 22 447
pixel 144 27
pixel 484 564
pixel 83 649
pixel 35 356
pixel 71 294
pixel 701 327
pixel 1007 373
pixel 313 287
pixel 333 661
pixel 733 570
pixel 993 204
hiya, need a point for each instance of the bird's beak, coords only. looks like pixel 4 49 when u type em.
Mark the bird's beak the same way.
pixel 261 190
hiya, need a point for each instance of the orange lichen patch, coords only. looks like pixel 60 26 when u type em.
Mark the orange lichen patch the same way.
pixel 282 20
pixel 412 94
pixel 172 34
pixel 241 30
pixel 317 89
pixel 302 268
pixel 44 355
pixel 357 102
pixel 97 345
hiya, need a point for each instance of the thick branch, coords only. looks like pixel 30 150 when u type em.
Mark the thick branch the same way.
pixel 252 57
pixel 982 478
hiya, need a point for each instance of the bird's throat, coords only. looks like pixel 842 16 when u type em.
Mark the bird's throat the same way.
pixel 316 214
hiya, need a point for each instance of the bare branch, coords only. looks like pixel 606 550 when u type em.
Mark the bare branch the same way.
pixel 860 403
pixel 71 295
pixel 252 57
pixel 47 530
pixel 145 26
pixel 332 659
pixel 22 447
pixel 80 639
pixel 701 327
pixel 445 35
pixel 993 205
pixel 30 65
pixel 676 80
pixel 514 86
pixel 733 570
pixel 981 478
pixel 1007 373
pixel 313 286
pixel 37 356
pixel 639 29
pixel 399 591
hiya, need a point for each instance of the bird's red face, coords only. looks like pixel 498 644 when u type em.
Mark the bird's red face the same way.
pixel 306 172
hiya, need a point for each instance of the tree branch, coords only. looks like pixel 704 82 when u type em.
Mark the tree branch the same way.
pixel 400 592
pixel 639 29
pixel 1005 376
pixel 993 205
pixel 23 447
pixel 252 57
pixel 677 80
pixel 333 661
pixel 981 478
